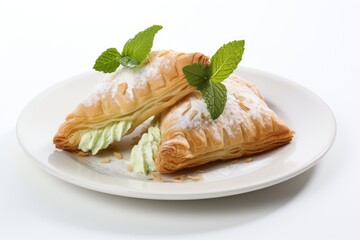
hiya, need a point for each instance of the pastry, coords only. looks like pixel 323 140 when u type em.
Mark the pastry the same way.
pixel 189 137
pixel 124 99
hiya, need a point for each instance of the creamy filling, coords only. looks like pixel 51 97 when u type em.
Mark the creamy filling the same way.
pixel 96 139
pixel 143 154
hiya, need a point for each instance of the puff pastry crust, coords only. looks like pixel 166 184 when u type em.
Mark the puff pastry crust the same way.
pixel 247 126
pixel 129 94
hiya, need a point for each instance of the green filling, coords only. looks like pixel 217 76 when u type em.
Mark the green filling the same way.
pixel 143 154
pixel 96 139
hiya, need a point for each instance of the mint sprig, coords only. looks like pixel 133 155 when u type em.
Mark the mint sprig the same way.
pixel 207 78
pixel 134 53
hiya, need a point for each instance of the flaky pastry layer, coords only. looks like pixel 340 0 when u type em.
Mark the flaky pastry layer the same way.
pixel 130 94
pixel 246 127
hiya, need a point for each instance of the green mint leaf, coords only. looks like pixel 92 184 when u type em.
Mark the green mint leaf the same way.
pixel 108 61
pixel 226 59
pixel 215 96
pixel 197 74
pixel 140 46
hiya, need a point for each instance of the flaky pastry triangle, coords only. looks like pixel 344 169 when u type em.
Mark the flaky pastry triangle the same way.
pixel 128 96
pixel 189 137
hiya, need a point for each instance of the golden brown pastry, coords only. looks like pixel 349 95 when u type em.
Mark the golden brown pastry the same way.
pixel 128 96
pixel 189 137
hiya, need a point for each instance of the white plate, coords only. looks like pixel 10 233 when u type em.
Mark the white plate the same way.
pixel 304 112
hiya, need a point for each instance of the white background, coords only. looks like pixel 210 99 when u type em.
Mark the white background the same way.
pixel 314 43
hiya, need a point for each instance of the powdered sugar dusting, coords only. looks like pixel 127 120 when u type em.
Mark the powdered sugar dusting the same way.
pixel 91 101
pixel 134 78
pixel 232 117
pixel 197 104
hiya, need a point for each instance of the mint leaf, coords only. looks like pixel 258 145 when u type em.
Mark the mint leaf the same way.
pixel 215 95
pixel 133 54
pixel 140 46
pixel 226 59
pixel 207 79
pixel 197 74
pixel 108 61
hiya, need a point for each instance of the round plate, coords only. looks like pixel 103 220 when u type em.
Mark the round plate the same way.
pixel 303 111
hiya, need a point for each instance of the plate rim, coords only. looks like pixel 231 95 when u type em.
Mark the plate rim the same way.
pixel 209 193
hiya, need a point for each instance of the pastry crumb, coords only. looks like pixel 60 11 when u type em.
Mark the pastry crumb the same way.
pixel 187 108
pixel 117 155
pixel 179 178
pixel 248 160
pixel 122 87
pixel 80 154
pixel 106 160
pixel 183 177
pixel 178 181
pixel 157 176
pixel 244 107
pixel 130 168
pixel 194 178
pixel 193 114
